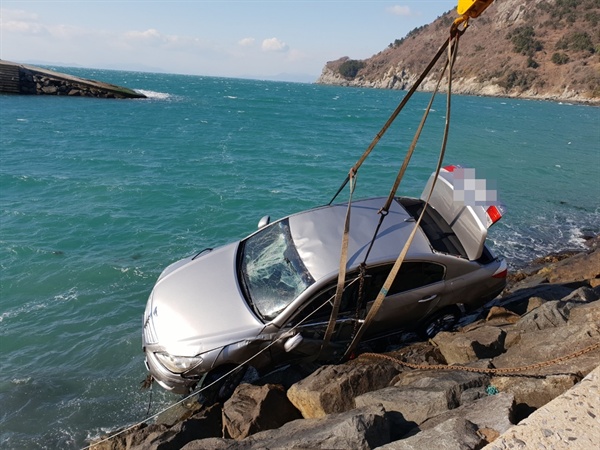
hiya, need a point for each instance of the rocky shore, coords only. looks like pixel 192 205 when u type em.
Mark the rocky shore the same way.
pixel 548 311
pixel 400 78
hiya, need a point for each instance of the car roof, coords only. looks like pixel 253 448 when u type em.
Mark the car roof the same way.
pixel 317 234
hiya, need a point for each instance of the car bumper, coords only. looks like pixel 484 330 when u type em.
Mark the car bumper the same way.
pixel 168 380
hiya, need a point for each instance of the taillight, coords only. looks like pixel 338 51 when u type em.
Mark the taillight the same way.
pixel 452 168
pixel 502 271
pixel 494 214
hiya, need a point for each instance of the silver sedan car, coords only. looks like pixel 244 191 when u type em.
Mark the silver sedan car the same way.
pixel 266 300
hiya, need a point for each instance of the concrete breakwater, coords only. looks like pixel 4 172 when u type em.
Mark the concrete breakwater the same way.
pixel 30 80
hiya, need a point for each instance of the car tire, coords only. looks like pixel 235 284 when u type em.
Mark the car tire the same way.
pixel 444 320
pixel 223 388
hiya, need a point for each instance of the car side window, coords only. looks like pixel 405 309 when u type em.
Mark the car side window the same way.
pixel 319 308
pixel 412 275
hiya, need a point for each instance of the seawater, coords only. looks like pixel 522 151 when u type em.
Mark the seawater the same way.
pixel 98 196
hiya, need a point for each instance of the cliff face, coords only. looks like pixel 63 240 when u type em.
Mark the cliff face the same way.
pixel 547 49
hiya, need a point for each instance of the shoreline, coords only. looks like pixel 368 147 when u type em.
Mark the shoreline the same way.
pixel 517 96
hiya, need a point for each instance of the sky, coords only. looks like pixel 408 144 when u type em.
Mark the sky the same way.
pixel 277 39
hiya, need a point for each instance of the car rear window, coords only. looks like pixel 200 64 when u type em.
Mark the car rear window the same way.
pixel 440 234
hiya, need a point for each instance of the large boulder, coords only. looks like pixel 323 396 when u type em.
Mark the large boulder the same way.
pixel 535 388
pixel 541 346
pixel 531 393
pixel 332 389
pixel 206 423
pixel 256 408
pixel 589 313
pixel 581 267
pixel 411 405
pixel 455 434
pixel 420 395
pixel 360 429
pixel 493 414
pixel 460 348
pixel 549 315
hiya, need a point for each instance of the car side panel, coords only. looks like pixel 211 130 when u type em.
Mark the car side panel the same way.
pixel 406 308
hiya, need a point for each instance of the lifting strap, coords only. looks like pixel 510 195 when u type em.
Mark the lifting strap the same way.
pixel 393 116
pixel 386 207
pixel 452 52
pixel 339 291
pixel 454 35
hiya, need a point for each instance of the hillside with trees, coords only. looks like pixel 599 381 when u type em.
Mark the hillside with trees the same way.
pixel 548 49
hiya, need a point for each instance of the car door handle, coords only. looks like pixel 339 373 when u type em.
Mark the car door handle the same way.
pixel 428 299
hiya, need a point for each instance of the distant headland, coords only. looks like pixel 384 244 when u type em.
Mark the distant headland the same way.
pixel 24 79
pixel 545 50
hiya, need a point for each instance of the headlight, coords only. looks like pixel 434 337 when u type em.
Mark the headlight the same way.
pixel 178 364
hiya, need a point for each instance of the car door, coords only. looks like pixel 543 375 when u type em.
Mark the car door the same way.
pixel 312 319
pixel 415 292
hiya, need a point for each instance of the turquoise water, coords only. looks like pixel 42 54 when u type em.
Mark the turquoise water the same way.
pixel 98 196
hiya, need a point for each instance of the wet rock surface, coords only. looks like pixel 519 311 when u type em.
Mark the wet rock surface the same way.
pixel 372 402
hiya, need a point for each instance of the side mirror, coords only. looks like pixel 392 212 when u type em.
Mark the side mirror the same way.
pixel 293 342
pixel 264 222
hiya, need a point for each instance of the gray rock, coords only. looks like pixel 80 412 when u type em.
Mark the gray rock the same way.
pixel 549 315
pixel 256 408
pixel 535 392
pixel 587 313
pixel 206 423
pixel 527 289
pixel 332 389
pixel 414 406
pixel 453 434
pixel 493 412
pixel 363 428
pixel 214 444
pixel 583 294
pixel 460 348
pixel 472 394
pixel 453 381
pixel 581 267
pixel 541 345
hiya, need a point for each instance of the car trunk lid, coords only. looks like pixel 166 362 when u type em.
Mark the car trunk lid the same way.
pixel 466 204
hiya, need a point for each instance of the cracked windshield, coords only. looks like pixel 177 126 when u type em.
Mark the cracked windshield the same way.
pixel 272 270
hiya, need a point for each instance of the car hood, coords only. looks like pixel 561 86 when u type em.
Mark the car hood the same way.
pixel 198 305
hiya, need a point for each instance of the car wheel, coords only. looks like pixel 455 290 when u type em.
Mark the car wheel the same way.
pixel 441 321
pixel 218 386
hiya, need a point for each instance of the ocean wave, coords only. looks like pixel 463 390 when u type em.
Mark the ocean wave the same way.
pixel 35 306
pixel 154 95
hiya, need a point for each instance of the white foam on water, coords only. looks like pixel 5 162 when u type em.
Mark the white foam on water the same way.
pixel 34 306
pixel 154 95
